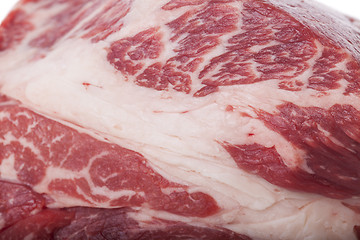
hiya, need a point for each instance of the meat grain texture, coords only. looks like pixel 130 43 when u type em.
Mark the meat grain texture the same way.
pixel 179 119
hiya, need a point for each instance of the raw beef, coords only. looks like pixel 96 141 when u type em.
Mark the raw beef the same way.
pixel 179 119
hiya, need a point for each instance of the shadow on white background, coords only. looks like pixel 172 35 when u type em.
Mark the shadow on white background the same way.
pixel 350 7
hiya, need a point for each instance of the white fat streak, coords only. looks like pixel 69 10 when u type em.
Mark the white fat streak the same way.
pixel 140 216
pixel 23 113
pixel 7 168
pixel 331 221
pixel 304 77
pixel 8 103
pixel 328 135
pixel 145 215
pixel 4 115
pixel 30 236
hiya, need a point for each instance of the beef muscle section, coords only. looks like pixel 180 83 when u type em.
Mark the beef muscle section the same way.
pixel 179 119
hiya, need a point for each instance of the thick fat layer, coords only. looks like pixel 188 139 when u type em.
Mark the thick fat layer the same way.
pixel 121 83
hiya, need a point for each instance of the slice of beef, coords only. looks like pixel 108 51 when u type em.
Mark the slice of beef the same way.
pixel 179 119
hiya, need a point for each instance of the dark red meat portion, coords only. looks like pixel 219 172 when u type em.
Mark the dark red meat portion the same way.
pixel 18 202
pixel 38 226
pixel 357 231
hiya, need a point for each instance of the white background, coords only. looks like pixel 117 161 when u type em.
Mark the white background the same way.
pixel 351 7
